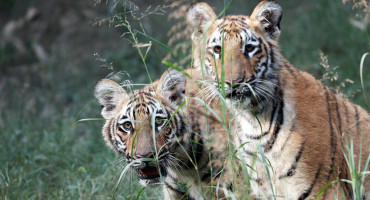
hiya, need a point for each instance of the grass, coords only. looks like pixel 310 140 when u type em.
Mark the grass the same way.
pixel 42 157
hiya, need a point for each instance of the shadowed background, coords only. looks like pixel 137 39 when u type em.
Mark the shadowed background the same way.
pixel 53 52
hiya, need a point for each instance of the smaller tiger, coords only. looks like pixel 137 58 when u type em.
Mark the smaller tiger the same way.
pixel 167 141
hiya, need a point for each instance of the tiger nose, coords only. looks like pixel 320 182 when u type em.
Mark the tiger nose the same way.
pixel 229 82
pixel 148 155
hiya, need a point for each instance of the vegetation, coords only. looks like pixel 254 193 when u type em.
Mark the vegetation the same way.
pixel 50 63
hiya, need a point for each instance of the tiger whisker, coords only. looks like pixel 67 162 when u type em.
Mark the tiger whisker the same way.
pixel 114 163
pixel 268 83
pixel 119 171
pixel 257 95
pixel 266 91
pixel 204 93
pixel 180 161
pixel 174 164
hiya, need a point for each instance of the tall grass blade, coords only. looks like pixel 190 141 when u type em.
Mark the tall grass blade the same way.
pixel 361 75
pixel 267 165
pixel 140 192
pixel 87 119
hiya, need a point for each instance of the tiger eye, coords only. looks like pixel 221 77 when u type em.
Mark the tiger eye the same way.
pixel 127 125
pixel 217 49
pixel 159 121
pixel 249 47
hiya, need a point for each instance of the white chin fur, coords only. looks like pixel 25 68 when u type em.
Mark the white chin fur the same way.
pixel 236 103
pixel 150 182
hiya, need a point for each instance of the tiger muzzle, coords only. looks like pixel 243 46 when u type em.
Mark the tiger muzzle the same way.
pixel 148 167
pixel 238 89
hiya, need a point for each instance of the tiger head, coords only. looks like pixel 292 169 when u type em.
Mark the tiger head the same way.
pixel 241 50
pixel 143 125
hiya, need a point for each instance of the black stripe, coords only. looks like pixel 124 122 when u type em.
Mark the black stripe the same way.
pixel 144 93
pixel 244 147
pixel 130 102
pixel 278 123
pixel 269 61
pixel 308 190
pixel 293 168
pixel 134 114
pixel 140 105
pixel 198 150
pixel 257 52
pixel 174 122
pixel 122 140
pixel 332 134
pixel 267 147
pixel 345 111
pixel 347 185
pixel 264 72
pixel 152 104
pixel 248 152
pixel 273 113
pixel 338 115
pixel 110 131
pixel 290 70
pixel 264 47
pixel 207 175
pixel 206 167
pixel 357 119
pixel 271 54
pixel 257 137
pixel 181 125
pixel 340 133
pixel 150 99
pixel 128 112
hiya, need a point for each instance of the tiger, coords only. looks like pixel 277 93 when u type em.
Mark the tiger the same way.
pixel 289 127
pixel 165 141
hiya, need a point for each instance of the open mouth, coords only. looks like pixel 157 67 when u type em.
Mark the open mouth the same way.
pixel 150 172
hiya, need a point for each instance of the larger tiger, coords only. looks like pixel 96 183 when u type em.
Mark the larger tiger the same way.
pixel 164 140
pixel 294 124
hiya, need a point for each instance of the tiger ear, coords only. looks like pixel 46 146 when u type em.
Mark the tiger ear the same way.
pixel 109 95
pixel 268 13
pixel 172 87
pixel 199 15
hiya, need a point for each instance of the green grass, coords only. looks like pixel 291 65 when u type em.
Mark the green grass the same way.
pixel 42 157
